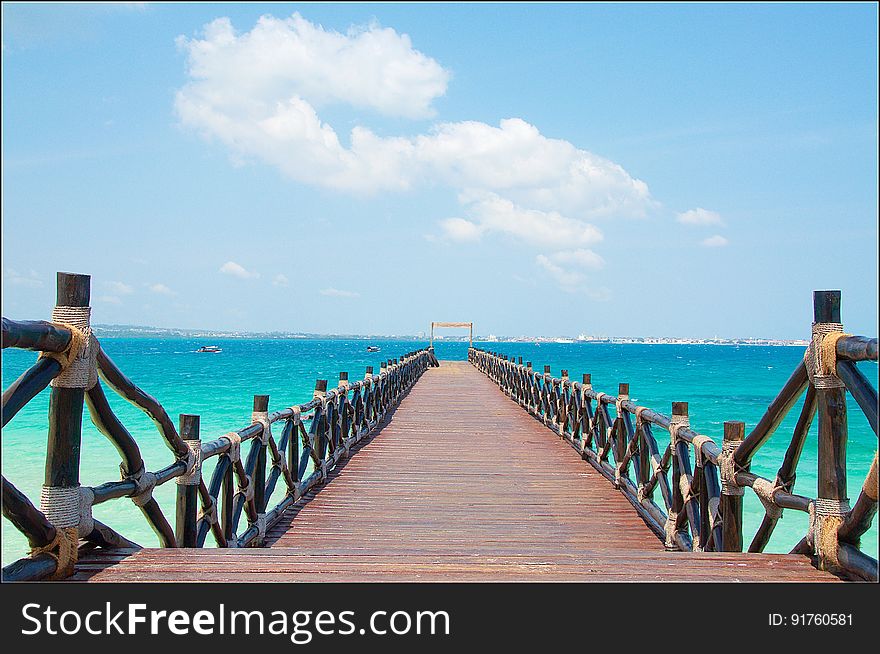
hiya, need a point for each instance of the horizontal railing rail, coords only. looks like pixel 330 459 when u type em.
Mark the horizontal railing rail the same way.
pixel 313 438
pixel 700 483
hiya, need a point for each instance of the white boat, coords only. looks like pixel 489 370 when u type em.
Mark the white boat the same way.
pixel 213 349
pixel 373 348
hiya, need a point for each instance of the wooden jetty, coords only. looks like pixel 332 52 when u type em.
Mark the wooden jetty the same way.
pixel 478 470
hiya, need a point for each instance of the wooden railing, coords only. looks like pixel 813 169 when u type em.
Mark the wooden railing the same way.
pixel 315 435
pixel 702 496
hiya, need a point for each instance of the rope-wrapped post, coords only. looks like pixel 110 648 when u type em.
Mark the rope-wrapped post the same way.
pixel 261 414
pixel 731 494
pixel 679 419
pixel 832 502
pixel 620 436
pixel 60 496
pixel 185 530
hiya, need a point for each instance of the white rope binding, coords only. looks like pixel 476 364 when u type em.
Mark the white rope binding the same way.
pixel 764 489
pixel 193 474
pixel 262 417
pixel 675 423
pixel 813 356
pixel 60 505
pixel 81 372
pixel 144 482
pixel 727 468
pixel 827 507
pixel 234 451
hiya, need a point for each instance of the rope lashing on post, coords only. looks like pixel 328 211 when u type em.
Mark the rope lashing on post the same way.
pixel 234 451
pixel 728 468
pixel 670 530
pixel 764 489
pixel 869 488
pixel 61 506
pixel 247 490
pixel 193 474
pixel 262 417
pixel 144 483
pixel 820 358
pixel 698 442
pixel 64 548
pixel 78 359
pixel 826 517
pixel 261 529
pixel 209 512
pixel 676 422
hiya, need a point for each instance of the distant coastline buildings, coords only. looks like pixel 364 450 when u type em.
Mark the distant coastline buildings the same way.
pixel 131 331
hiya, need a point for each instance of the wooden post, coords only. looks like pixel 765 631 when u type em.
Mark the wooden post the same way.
pixel 185 530
pixel 832 499
pixel 679 412
pixel 65 430
pixel 261 405
pixel 732 496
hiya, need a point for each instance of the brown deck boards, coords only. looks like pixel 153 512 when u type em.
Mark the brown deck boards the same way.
pixel 461 484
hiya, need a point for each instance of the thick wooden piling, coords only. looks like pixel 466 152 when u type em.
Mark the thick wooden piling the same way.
pixel 732 496
pixel 185 530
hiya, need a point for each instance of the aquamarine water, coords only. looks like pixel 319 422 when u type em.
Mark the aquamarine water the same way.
pixel 720 383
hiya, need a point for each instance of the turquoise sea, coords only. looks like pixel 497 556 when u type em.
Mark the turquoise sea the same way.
pixel 720 383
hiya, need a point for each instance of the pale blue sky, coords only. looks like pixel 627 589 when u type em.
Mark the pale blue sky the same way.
pixel 672 170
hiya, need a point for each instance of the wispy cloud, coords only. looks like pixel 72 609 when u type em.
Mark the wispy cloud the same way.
pixel 280 280
pixel 716 241
pixel 335 292
pixel 160 289
pixel 567 268
pixel 699 216
pixel 237 270
pixel 109 299
pixel 31 280
pixel 568 280
pixel 119 288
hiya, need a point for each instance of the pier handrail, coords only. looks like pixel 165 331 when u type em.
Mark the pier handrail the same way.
pixel 702 502
pixel 317 434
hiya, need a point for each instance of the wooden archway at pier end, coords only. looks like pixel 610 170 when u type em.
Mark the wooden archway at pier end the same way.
pixel 469 325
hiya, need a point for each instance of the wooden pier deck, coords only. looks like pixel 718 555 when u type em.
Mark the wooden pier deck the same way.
pixel 461 484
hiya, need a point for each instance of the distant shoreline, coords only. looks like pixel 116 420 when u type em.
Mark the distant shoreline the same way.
pixel 133 331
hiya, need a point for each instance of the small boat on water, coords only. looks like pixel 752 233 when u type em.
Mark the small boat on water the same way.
pixel 373 348
pixel 210 348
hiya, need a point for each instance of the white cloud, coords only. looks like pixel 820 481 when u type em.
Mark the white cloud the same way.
pixel 699 216
pixel 119 288
pixel 489 212
pixel 580 257
pixel 109 299
pixel 237 270
pixel 368 67
pixel 280 280
pixel 160 289
pixel 257 92
pixel 716 241
pixel 459 229
pixel 567 267
pixel 568 280
pixel 335 292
